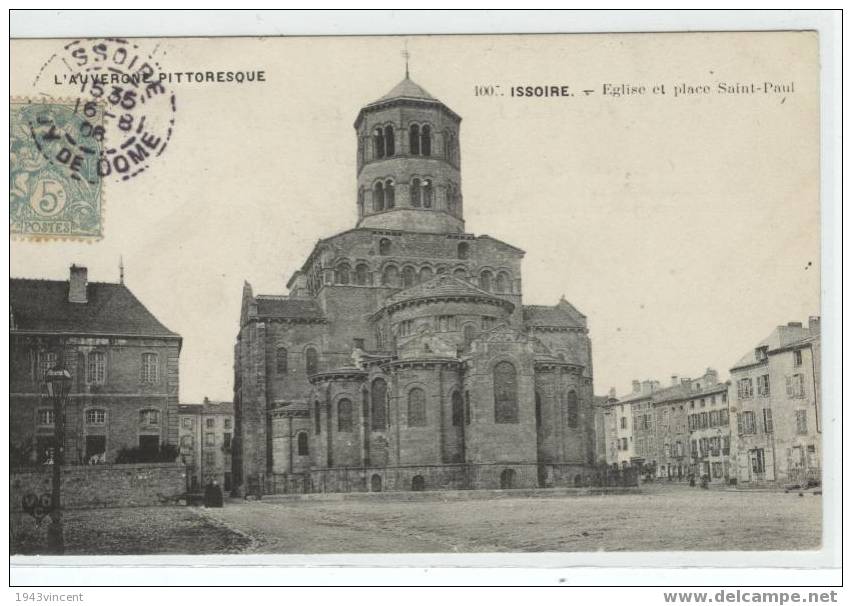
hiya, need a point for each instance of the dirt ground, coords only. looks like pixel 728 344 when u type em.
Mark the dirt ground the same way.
pixel 658 518
pixel 126 531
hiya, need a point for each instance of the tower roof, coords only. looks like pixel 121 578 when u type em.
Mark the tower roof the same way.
pixel 406 89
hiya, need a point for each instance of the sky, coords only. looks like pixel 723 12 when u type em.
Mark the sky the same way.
pixel 685 228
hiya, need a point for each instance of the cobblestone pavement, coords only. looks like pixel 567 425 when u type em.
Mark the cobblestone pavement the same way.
pixel 130 531
pixel 659 518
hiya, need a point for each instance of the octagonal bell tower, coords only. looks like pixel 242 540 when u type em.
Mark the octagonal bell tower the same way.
pixel 408 163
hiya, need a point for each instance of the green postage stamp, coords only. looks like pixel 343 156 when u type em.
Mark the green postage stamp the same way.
pixel 55 186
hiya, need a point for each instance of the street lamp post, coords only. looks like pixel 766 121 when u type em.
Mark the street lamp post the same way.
pixel 58 382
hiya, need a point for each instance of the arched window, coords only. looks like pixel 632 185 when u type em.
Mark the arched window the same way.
pixel 389 194
pixel 378 143
pixel 390 276
pixel 389 143
pixel 380 339
pixel 502 282
pixel 426 141
pixel 310 361
pixel 463 250
pixel 378 401
pixel 414 192
pixel 449 143
pixel 441 270
pixel 414 140
pixel 407 277
pixel 468 335
pixel 342 273
pixel 416 408
pixel 384 246
pixel 281 360
pixel 361 271
pixel 344 415
pixel 378 197
pixel 505 393
pixel 485 280
pixel 427 193
pixel 460 273
pixel 572 409
pixel 302 444
pixel 317 417
pixel 418 483
pixel 458 409
pixel 425 274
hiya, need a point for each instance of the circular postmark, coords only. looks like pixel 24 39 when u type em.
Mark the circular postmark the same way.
pixel 118 81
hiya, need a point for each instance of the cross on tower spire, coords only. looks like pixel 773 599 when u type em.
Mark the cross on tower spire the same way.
pixel 407 55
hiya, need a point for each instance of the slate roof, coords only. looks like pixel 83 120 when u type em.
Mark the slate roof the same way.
pixel 444 285
pixel 43 306
pixel 407 89
pixel 269 306
pixel 782 336
pixel 208 408
pixel 562 314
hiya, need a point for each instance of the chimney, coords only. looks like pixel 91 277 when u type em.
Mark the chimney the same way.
pixel 637 387
pixel 813 325
pixel 685 381
pixel 612 393
pixel 206 400
pixel 711 377
pixel 674 380
pixel 77 283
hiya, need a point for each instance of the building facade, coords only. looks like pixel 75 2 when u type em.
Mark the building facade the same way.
pixel 776 391
pixel 123 363
pixel 403 356
pixel 205 435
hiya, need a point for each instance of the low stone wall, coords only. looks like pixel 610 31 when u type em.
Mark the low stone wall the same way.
pixel 417 478
pixel 91 486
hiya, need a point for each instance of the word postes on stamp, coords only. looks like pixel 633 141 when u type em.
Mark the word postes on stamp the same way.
pixel 55 187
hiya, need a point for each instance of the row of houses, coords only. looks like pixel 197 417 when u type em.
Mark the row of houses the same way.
pixel 760 427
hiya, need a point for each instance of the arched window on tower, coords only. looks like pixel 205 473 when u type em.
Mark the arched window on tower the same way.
pixel 378 402
pixel 342 273
pixel 361 274
pixel 360 202
pixel 281 360
pixel 389 142
pixel 460 273
pixel 485 280
pixel 468 332
pixel 407 277
pixel 572 409
pixel 426 141
pixel 416 408
pixel 378 143
pixel 448 145
pixel 458 409
pixel 427 193
pixel 378 197
pixel 502 283
pixel 384 246
pixel 425 274
pixel 302 444
pixel 344 415
pixel 414 140
pixel 311 362
pixel 463 250
pixel 414 192
pixel 505 393
pixel 389 194
pixel 390 276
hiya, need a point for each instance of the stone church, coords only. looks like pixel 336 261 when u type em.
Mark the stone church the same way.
pixel 403 357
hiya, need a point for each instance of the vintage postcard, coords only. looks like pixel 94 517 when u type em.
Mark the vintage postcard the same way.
pixel 417 294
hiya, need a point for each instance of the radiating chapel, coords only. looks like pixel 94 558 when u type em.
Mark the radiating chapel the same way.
pixel 403 357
